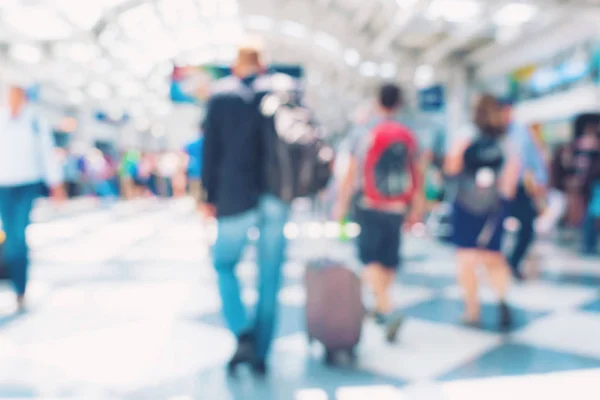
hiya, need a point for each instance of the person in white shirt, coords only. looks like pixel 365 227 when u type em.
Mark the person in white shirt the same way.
pixel 27 163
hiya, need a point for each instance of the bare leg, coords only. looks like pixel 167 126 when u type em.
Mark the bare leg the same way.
pixel 377 278
pixel 467 278
pixel 499 276
pixel 498 273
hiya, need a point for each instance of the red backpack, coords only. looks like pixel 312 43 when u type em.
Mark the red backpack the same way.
pixel 389 172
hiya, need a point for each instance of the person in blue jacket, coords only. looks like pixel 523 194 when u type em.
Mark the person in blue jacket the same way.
pixel 232 178
pixel 28 165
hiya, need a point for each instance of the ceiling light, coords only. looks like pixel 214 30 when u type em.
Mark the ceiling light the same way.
pixel 159 130
pixel 515 14
pixel 163 108
pixel 102 66
pixel 405 3
pixel 424 76
pixel 83 14
pixel 453 10
pixel 99 90
pixel 26 53
pixel 142 124
pixel 387 70
pixel 82 52
pixel 352 57
pixel 136 109
pixel 368 69
pixel 129 89
pixel 36 22
pixel 327 42
pixel 75 97
pixel 507 34
pixel 75 80
pixel 259 23
pixel 293 29
pixel 229 9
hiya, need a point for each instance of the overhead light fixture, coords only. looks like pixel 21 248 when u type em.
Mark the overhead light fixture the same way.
pixel 352 57
pixel 387 70
pixel 37 22
pixel 102 66
pixel 75 97
pixel 515 14
pixel 453 10
pixel 99 90
pixel 405 3
pixel 507 34
pixel 259 23
pixel 163 108
pixel 293 29
pixel 142 124
pixel 229 9
pixel 369 69
pixel 424 76
pixel 76 80
pixel 159 130
pixel 327 42
pixel 26 53
pixel 137 109
pixel 82 52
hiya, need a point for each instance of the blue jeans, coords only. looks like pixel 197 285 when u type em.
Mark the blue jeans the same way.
pixel 270 217
pixel 16 203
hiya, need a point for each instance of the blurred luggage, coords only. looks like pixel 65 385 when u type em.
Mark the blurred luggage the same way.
pixel 334 308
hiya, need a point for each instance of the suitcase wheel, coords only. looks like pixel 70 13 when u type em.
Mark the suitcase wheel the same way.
pixel 331 357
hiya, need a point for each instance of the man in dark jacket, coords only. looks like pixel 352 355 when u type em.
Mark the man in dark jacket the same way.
pixel 232 178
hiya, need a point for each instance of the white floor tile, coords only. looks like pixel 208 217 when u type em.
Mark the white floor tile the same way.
pixel 574 332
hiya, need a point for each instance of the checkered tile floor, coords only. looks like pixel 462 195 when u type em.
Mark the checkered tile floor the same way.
pixel 124 305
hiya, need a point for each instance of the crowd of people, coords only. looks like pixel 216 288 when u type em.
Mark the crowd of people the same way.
pixel 496 166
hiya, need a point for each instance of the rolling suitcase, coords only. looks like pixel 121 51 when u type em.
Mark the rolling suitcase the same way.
pixel 334 308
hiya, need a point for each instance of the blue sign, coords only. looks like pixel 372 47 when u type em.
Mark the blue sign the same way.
pixel 432 99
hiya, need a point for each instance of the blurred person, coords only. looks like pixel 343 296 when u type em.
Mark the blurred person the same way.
pixel 168 164
pixel 28 165
pixel 145 172
pixel 232 178
pixel 381 224
pixel 127 173
pixel 560 173
pixel 194 168
pixel 487 169
pixel 586 181
pixel 531 191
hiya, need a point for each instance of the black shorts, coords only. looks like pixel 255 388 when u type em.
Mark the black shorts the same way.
pixel 380 235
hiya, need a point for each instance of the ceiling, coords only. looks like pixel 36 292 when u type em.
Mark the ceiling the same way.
pixel 119 53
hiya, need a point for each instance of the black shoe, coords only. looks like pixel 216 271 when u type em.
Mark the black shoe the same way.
pixel 380 319
pixel 518 275
pixel 244 354
pixel 259 368
pixel 392 326
pixel 505 316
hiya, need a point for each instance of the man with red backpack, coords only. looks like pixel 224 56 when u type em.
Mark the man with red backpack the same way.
pixel 383 183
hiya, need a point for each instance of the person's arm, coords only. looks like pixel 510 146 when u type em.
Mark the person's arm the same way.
pixel 52 169
pixel 346 191
pixel 453 164
pixel 211 152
